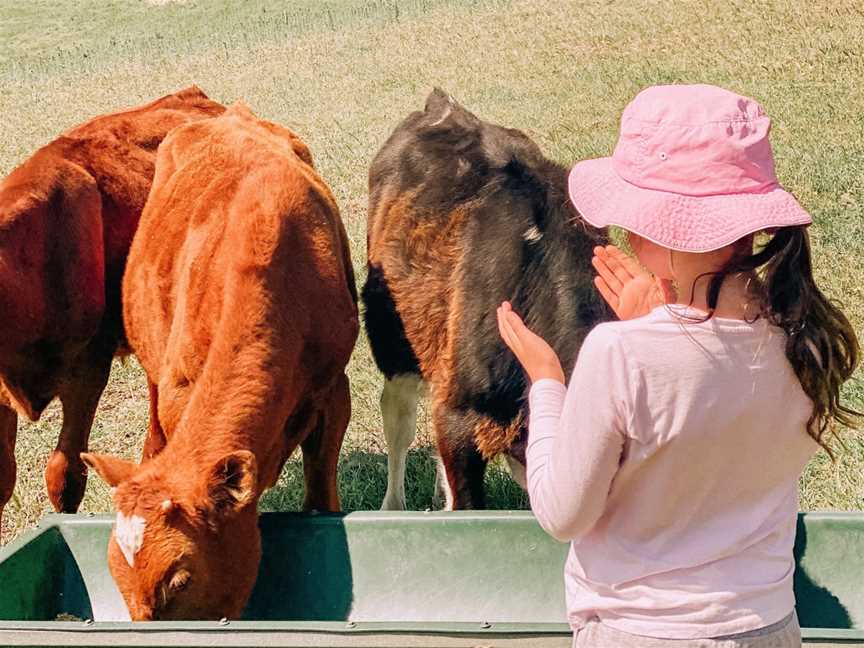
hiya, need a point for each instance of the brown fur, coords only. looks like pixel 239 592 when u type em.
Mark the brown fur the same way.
pixel 429 305
pixel 67 217
pixel 423 288
pixel 240 304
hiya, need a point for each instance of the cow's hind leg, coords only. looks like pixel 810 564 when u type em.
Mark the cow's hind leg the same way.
pixel 517 471
pixel 8 428
pixel 65 474
pixel 321 450
pixel 442 485
pixel 397 361
pixel 399 411
pixel 515 457
pixel 463 465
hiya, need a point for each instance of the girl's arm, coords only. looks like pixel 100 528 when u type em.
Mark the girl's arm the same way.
pixel 576 437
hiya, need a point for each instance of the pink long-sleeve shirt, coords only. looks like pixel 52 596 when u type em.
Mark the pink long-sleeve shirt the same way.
pixel 671 464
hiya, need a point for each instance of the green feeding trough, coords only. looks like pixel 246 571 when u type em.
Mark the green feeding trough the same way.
pixel 379 580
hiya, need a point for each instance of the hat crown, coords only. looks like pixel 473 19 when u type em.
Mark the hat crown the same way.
pixel 692 105
pixel 696 140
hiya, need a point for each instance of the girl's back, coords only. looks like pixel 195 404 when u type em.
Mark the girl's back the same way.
pixel 714 439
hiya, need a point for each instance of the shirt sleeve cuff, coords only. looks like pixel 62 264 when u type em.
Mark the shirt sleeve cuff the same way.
pixel 546 398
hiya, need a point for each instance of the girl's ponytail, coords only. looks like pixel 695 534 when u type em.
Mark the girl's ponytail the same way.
pixel 821 343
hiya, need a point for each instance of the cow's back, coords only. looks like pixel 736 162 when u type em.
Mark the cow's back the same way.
pixel 119 151
pixel 67 218
pixel 113 154
pixel 239 270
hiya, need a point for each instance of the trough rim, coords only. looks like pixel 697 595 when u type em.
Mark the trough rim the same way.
pixel 212 633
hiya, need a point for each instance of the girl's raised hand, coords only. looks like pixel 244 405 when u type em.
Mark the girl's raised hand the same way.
pixel 629 290
pixel 537 358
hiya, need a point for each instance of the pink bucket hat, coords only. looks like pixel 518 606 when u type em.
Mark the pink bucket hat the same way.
pixel 693 171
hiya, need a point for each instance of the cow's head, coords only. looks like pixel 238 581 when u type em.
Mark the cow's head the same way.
pixel 463 154
pixel 185 544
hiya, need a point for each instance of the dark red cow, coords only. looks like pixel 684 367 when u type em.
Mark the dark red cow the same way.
pixel 67 216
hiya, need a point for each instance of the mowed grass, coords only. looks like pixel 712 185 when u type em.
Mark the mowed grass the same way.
pixel 342 74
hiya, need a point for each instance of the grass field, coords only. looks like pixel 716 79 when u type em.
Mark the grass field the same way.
pixel 343 73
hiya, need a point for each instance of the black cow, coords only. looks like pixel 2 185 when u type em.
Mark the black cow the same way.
pixel 462 215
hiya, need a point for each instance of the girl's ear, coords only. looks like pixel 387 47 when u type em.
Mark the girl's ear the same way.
pixel 112 470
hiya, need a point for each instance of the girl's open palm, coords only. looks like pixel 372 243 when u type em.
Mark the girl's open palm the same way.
pixel 629 290
pixel 537 358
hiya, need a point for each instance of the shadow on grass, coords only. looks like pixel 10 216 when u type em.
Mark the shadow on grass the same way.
pixel 817 607
pixel 363 481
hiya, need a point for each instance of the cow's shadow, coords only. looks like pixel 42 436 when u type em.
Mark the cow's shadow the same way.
pixel 816 605
pixel 305 572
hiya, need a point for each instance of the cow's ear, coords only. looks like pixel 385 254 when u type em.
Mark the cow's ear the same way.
pixel 437 101
pixel 112 470
pixel 440 110
pixel 302 150
pixel 232 482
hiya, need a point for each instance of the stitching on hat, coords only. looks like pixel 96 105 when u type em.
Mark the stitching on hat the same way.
pixel 643 150
pixel 722 121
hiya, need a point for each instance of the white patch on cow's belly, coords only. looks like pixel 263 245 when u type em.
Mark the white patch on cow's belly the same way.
pixel 532 234
pixel 129 534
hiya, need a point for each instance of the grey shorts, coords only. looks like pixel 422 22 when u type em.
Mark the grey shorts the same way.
pixel 783 634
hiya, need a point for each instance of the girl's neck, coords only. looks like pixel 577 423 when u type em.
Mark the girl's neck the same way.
pixel 732 303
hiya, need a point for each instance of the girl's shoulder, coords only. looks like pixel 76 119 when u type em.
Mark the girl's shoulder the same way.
pixel 677 319
pixel 671 330
pixel 612 333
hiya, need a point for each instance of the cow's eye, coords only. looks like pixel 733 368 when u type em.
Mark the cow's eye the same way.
pixel 179 580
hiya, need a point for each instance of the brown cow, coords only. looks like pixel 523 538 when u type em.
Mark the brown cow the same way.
pixel 67 216
pixel 241 305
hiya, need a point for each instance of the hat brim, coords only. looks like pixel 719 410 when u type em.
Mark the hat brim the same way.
pixel 676 221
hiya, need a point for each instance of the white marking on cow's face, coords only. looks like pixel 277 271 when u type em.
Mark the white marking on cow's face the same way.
pixel 532 234
pixel 129 534
pixel 462 166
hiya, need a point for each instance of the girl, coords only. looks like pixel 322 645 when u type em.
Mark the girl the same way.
pixel 671 460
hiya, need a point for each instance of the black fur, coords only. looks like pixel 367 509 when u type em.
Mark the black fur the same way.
pixel 392 351
pixel 524 242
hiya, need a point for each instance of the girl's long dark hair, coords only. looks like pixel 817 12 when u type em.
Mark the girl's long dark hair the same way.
pixel 820 342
